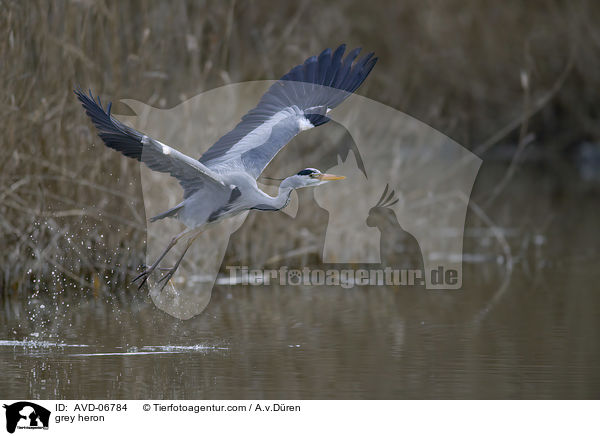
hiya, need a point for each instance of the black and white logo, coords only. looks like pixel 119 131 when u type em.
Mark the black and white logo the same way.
pixel 26 415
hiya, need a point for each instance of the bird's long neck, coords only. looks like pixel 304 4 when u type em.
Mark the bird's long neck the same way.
pixel 283 197
pixel 266 202
pixel 278 202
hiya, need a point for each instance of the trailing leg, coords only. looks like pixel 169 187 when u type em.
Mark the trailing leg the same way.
pixel 146 273
pixel 171 271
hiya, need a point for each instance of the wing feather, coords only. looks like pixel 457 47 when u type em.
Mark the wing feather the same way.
pixel 191 174
pixel 299 100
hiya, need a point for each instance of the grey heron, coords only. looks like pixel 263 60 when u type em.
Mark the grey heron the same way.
pixel 222 183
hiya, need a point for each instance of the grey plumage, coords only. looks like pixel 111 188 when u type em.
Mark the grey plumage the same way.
pixel 191 174
pixel 222 182
pixel 299 100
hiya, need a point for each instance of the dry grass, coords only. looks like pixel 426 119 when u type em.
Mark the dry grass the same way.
pixel 70 211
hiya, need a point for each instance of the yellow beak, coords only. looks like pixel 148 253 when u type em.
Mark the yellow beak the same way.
pixel 329 177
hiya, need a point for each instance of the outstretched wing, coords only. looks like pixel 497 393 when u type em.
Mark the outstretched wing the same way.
pixel 298 101
pixel 191 174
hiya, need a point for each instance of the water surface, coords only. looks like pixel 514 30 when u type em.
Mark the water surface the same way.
pixel 524 327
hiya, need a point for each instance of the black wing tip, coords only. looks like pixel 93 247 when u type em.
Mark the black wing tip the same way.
pixel 341 48
pixel 325 53
pixel 354 52
pixel 90 102
pixel 113 134
pixel 335 70
pixel 93 107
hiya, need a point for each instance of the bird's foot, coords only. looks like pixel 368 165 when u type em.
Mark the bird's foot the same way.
pixel 144 276
pixel 165 279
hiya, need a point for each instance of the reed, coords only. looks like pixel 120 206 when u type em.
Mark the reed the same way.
pixel 71 216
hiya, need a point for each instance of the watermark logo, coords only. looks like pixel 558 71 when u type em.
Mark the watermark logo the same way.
pixel 402 205
pixel 26 415
pixel 346 278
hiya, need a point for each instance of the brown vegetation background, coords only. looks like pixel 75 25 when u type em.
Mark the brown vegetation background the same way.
pixel 490 75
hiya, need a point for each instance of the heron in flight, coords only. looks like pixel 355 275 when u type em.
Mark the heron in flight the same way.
pixel 222 183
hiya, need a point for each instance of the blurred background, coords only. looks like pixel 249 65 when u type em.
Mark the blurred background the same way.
pixel 517 83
